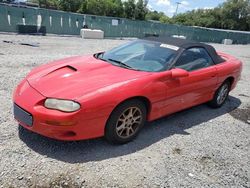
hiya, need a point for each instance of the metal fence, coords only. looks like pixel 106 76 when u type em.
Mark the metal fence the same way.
pixel 65 23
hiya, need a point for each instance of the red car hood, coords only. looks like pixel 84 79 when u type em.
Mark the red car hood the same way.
pixel 74 77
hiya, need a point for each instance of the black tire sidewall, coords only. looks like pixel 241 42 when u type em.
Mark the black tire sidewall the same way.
pixel 110 129
pixel 214 103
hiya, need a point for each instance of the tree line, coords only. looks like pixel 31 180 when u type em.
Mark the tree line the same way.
pixel 131 9
pixel 232 14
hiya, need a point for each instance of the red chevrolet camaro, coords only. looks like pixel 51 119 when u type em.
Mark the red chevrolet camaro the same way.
pixel 114 93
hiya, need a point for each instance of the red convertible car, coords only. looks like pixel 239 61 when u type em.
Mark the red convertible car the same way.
pixel 114 93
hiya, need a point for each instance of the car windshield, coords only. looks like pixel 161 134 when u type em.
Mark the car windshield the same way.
pixel 141 55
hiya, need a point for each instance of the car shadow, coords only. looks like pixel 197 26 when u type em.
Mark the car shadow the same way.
pixel 99 149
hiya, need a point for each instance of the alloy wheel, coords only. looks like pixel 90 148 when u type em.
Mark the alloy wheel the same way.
pixel 128 122
pixel 222 94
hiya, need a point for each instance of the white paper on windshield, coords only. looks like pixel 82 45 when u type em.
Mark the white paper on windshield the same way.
pixel 169 46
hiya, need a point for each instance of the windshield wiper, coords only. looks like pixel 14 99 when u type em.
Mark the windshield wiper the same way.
pixel 121 63
pixel 113 60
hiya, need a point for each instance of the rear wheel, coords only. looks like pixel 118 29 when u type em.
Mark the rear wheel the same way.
pixel 125 122
pixel 220 95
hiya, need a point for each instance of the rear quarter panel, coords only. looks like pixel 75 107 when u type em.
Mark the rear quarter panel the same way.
pixel 232 67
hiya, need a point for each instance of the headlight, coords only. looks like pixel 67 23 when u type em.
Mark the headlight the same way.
pixel 62 105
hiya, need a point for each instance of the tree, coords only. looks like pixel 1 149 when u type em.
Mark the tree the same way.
pixel 119 9
pixel 233 14
pixel 46 3
pixel 129 9
pixel 69 5
pixel 114 8
pixel 158 16
pixel 165 19
pixel 141 10
pixel 96 7
pixel 153 15
pixel 83 7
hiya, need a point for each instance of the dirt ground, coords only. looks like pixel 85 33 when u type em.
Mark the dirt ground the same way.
pixel 198 147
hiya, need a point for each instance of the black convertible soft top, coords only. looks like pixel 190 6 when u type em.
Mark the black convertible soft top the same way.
pixel 185 44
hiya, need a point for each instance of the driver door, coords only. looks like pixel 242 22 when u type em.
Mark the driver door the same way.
pixel 198 87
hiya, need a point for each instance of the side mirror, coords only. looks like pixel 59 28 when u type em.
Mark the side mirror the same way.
pixel 97 55
pixel 179 73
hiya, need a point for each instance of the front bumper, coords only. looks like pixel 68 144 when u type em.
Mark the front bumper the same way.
pixel 53 123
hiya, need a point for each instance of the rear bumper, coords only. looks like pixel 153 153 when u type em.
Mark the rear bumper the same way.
pixel 52 123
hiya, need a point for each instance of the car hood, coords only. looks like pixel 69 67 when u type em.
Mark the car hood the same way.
pixel 74 77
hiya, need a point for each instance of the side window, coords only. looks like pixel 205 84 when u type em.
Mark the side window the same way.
pixel 194 59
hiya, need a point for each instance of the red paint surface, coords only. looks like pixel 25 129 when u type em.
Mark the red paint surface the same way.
pixel 99 87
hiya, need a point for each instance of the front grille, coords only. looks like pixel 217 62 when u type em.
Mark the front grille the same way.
pixel 23 116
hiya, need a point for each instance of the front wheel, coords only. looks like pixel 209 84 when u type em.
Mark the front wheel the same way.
pixel 125 122
pixel 220 95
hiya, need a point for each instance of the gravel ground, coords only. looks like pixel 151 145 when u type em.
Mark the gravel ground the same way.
pixel 198 147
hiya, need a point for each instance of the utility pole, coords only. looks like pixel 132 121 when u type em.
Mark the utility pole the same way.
pixel 177 6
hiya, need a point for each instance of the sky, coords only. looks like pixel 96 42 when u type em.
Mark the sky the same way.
pixel 169 6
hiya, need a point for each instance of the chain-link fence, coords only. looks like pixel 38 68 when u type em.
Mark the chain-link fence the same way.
pixel 65 23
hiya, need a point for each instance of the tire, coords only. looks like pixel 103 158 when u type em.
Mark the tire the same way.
pixel 125 122
pixel 220 95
